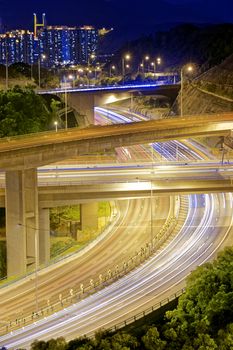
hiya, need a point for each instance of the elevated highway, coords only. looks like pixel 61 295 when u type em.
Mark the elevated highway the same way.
pixel 68 195
pixel 20 157
pixel 85 99
pixel 32 151
pixel 153 87
pixel 69 185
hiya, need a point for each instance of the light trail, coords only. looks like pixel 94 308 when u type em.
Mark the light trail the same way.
pixel 205 229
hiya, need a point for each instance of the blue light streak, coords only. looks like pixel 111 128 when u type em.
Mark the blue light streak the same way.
pixel 106 88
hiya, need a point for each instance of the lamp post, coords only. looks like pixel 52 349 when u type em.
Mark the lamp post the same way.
pixel 66 114
pixel 126 57
pixel 153 66
pixel 7 77
pixel 97 69
pixel 112 68
pixel 92 56
pixel 141 67
pixel 189 69
pixel 147 59
pixel 71 77
pixel 56 123
pixel 39 66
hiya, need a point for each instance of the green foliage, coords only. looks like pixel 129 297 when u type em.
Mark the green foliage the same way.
pixel 203 319
pixel 68 213
pixel 22 112
pixel 152 340
pixel 55 105
pixel 52 344
pixel 104 209
pixel 60 246
pixel 72 213
pixel 206 307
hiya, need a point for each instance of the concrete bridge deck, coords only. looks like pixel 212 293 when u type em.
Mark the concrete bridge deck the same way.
pixel 32 151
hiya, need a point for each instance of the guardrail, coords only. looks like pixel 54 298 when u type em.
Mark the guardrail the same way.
pixel 23 322
pixel 74 295
pixel 146 312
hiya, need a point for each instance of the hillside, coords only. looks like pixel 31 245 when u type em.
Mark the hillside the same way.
pixel 211 92
pixel 205 45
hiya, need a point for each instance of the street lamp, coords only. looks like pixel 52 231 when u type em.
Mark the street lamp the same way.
pixel 112 68
pixel 97 69
pixel 189 69
pixel 92 56
pixel 71 77
pixel 66 114
pixel 153 66
pixel 56 123
pixel 147 59
pixel 127 58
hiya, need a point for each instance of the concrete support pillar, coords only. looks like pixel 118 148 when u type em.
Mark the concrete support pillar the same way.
pixel 21 220
pixel 44 236
pixel 89 216
pixel 83 104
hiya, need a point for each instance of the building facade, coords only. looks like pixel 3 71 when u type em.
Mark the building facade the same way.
pixel 17 46
pixel 58 45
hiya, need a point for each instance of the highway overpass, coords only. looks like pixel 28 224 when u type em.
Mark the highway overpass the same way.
pixel 70 195
pixel 85 99
pixel 20 157
pixel 32 151
pixel 55 196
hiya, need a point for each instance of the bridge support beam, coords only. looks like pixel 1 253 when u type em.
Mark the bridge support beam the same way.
pixel 44 236
pixel 21 220
pixel 83 104
pixel 89 216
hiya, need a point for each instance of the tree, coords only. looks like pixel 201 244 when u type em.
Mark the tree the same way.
pixel 38 345
pixel 22 111
pixel 122 340
pixel 205 308
pixel 52 344
pixel 152 340
pixel 225 338
pixel 78 343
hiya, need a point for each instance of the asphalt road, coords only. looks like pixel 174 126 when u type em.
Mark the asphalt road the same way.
pixel 128 233
pixel 203 232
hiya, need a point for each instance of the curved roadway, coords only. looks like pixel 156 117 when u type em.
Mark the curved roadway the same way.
pixel 205 229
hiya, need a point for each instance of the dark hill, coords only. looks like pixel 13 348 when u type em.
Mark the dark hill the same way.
pixel 208 45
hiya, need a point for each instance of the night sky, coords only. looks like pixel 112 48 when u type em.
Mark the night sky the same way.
pixel 140 14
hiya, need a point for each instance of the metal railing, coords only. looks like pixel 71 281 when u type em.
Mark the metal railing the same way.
pixel 145 312
pixel 73 295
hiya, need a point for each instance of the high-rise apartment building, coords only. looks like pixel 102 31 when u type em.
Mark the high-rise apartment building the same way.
pixel 68 45
pixel 17 46
pixel 87 43
pixel 59 45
